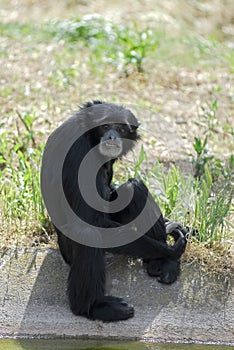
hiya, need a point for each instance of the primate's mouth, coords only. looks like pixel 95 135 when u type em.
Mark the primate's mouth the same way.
pixel 110 148
pixel 111 144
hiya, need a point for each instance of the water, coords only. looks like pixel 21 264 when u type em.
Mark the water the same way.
pixel 75 344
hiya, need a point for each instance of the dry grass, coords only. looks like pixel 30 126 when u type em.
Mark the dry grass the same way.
pixel 216 260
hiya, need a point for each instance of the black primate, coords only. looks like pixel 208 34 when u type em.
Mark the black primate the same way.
pixel 86 281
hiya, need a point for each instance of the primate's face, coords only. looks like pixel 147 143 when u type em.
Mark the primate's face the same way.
pixel 116 139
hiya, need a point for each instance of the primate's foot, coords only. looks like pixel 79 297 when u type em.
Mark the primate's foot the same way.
pixel 111 309
pixel 166 271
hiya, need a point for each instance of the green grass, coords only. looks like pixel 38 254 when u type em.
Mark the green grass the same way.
pixel 21 206
pixel 203 203
pixel 129 46
pixel 126 47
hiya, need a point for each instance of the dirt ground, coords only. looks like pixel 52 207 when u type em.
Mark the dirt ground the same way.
pixel 175 94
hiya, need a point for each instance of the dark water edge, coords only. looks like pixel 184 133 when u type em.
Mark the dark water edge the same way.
pixel 75 344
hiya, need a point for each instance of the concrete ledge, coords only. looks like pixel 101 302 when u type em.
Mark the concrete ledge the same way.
pixel 34 303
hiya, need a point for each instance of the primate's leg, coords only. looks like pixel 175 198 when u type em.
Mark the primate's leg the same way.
pixel 65 246
pixel 161 258
pixel 86 283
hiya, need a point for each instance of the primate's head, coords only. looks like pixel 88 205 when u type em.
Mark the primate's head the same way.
pixel 113 128
pixel 116 139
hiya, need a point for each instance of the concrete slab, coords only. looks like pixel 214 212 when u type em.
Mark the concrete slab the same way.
pixel 34 303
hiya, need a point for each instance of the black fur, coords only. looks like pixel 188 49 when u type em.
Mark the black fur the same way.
pixel 86 281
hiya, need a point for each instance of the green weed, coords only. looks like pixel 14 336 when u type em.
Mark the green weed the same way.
pixel 209 116
pixel 123 46
pixel 203 158
pixel 213 204
pixel 132 46
pixel 21 206
pixel 204 204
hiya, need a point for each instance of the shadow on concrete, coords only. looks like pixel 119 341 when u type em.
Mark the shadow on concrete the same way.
pixel 34 302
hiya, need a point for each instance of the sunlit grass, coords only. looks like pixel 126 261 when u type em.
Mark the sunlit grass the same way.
pixel 21 207
pixel 203 203
pixel 126 47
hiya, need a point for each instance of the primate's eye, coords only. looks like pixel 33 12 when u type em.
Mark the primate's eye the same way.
pixel 122 129
pixel 105 126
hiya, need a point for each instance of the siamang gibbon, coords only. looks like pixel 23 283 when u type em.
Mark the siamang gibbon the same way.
pixel 111 131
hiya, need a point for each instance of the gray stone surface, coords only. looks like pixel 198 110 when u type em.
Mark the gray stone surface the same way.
pixel 33 301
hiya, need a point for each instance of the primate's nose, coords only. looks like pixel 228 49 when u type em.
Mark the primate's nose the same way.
pixel 112 135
